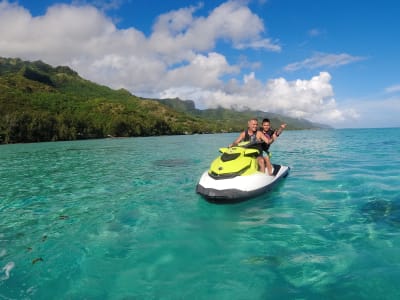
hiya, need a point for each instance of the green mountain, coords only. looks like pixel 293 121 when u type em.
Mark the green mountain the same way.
pixel 39 102
pixel 230 119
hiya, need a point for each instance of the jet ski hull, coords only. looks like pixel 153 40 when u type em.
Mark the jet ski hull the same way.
pixel 239 188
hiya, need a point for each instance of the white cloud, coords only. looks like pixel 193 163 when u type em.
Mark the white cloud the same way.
pixel 314 32
pixel 65 32
pixel 177 34
pixel 178 59
pixel 260 44
pixel 311 99
pixel 370 112
pixel 202 72
pixel 393 89
pixel 325 60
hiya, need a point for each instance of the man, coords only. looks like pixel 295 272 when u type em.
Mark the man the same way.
pixel 254 136
pixel 272 135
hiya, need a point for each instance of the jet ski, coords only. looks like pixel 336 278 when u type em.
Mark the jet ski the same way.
pixel 234 176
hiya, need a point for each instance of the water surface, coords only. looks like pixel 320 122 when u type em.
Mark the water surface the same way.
pixel 120 219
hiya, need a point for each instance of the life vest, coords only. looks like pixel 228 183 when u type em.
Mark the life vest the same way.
pixel 268 134
pixel 250 138
pixel 253 141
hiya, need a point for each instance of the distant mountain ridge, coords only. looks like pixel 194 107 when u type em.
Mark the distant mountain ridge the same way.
pixel 39 102
pixel 188 106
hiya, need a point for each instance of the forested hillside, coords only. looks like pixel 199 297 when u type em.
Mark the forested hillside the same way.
pixel 39 102
pixel 227 118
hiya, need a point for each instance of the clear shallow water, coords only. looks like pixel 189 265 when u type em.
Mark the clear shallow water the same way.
pixel 106 219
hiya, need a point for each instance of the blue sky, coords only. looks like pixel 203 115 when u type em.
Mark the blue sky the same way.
pixel 333 62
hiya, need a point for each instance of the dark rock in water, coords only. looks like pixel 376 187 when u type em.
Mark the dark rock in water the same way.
pixel 171 162
pixel 34 261
pixel 264 259
pixel 382 211
pixel 376 210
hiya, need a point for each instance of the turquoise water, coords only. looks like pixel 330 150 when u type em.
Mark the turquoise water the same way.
pixel 120 219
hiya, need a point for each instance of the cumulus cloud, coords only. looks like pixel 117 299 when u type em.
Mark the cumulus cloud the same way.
pixel 393 89
pixel 177 59
pixel 370 112
pixel 311 99
pixel 324 60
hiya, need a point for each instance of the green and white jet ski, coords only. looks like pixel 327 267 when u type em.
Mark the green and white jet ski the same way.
pixel 234 176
